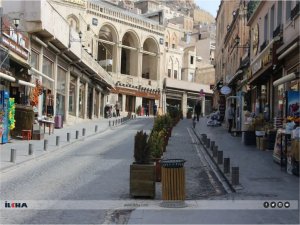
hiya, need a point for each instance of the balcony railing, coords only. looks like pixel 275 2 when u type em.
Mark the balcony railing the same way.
pixel 295 11
pixel 277 31
pixel 251 8
pixel 263 46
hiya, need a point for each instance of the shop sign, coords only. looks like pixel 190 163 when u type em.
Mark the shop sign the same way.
pixel 267 58
pixel 95 21
pixel 225 90
pixel 256 66
pixel 15 41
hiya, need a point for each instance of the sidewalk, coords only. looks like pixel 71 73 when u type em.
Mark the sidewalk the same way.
pixel 261 179
pixel 22 146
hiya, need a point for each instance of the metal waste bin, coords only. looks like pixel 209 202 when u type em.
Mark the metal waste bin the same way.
pixel 173 179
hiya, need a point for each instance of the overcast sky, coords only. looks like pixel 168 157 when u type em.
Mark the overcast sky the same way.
pixel 209 5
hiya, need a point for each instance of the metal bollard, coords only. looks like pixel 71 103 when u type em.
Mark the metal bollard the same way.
pixel 220 157
pixel 45 145
pixel 116 122
pixel 83 131
pixel 96 128
pixel 226 165
pixel 109 123
pixel 13 155
pixel 57 140
pixel 113 123
pixel 235 175
pixel 30 149
pixel 77 134
pixel 215 151
pixel 208 142
pixel 212 144
pixel 68 137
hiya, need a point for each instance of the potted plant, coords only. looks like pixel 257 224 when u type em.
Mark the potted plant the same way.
pixel 155 144
pixel 142 171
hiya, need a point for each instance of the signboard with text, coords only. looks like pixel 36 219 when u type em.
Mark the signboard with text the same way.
pixel 14 40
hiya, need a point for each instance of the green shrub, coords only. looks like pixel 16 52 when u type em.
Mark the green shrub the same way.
pixel 141 150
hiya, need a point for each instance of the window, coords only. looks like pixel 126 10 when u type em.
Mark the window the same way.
pixel 61 91
pixel 166 44
pixel 272 19
pixel 34 60
pixel 173 45
pixel 191 77
pixel 266 28
pixel 47 70
pixel 175 74
pixel 279 13
pixel 169 72
pixel 192 60
pixel 288 8
pixel 72 95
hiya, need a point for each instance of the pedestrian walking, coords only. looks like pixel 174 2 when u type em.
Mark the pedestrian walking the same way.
pixel 230 116
pixel 147 110
pixel 154 109
pixel 198 109
pixel 117 106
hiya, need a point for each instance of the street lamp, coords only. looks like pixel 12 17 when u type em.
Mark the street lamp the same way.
pixel 237 42
pixel 16 22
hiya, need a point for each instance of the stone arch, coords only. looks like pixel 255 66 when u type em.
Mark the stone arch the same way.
pixel 107 49
pixel 170 67
pixel 73 22
pixel 174 40
pixel 129 53
pixel 150 58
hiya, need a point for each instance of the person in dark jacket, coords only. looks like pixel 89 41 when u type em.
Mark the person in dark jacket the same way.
pixel 198 109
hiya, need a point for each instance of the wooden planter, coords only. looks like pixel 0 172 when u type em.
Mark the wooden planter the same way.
pixel 142 180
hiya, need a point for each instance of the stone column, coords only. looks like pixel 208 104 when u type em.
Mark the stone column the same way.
pixel 77 97
pixel 55 83
pixel 117 58
pixel 184 104
pixel 40 104
pixel 86 93
pixel 203 105
pixel 123 103
pixel 93 100
pixel 67 93
pixel 139 62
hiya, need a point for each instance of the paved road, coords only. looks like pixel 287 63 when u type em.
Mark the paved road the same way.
pixel 95 169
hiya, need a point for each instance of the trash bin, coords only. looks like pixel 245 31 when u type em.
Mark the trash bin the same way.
pixel 58 121
pixel 173 179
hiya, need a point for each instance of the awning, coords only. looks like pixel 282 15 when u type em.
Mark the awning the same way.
pixel 22 82
pixel 287 78
pixel 235 76
pixel 7 77
pixel 40 73
pixel 13 56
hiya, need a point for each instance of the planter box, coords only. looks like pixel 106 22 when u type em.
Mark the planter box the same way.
pixel 142 180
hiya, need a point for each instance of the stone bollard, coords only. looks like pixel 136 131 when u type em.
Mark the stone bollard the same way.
pixel 220 157
pixel 226 165
pixel 77 134
pixel 30 149
pixel 57 140
pixel 208 143
pixel 45 145
pixel 215 151
pixel 13 155
pixel 96 128
pixel 68 137
pixel 212 144
pixel 83 131
pixel 235 174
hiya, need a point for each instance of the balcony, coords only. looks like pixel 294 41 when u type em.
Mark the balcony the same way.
pixel 134 82
pixel 187 86
pixel 251 8
pixel 264 45
pixel 277 31
pixel 295 11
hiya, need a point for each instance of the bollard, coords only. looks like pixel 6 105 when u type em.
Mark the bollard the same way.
pixel 113 123
pixel 208 143
pixel 204 136
pixel 77 134
pixel 215 151
pixel 83 131
pixel 212 144
pixel 226 165
pixel 109 123
pixel 30 149
pixel 116 122
pixel 68 137
pixel 57 140
pixel 235 175
pixel 13 155
pixel 96 128
pixel 220 157
pixel 45 145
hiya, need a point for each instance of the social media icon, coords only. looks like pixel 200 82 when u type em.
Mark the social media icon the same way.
pixel 266 204
pixel 273 204
pixel 279 204
pixel 287 204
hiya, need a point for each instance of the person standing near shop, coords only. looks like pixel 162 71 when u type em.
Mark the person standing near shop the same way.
pixel 117 106
pixel 154 109
pixel 49 103
pixel 198 109
pixel 230 116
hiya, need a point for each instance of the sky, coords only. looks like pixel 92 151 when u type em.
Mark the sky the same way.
pixel 209 5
